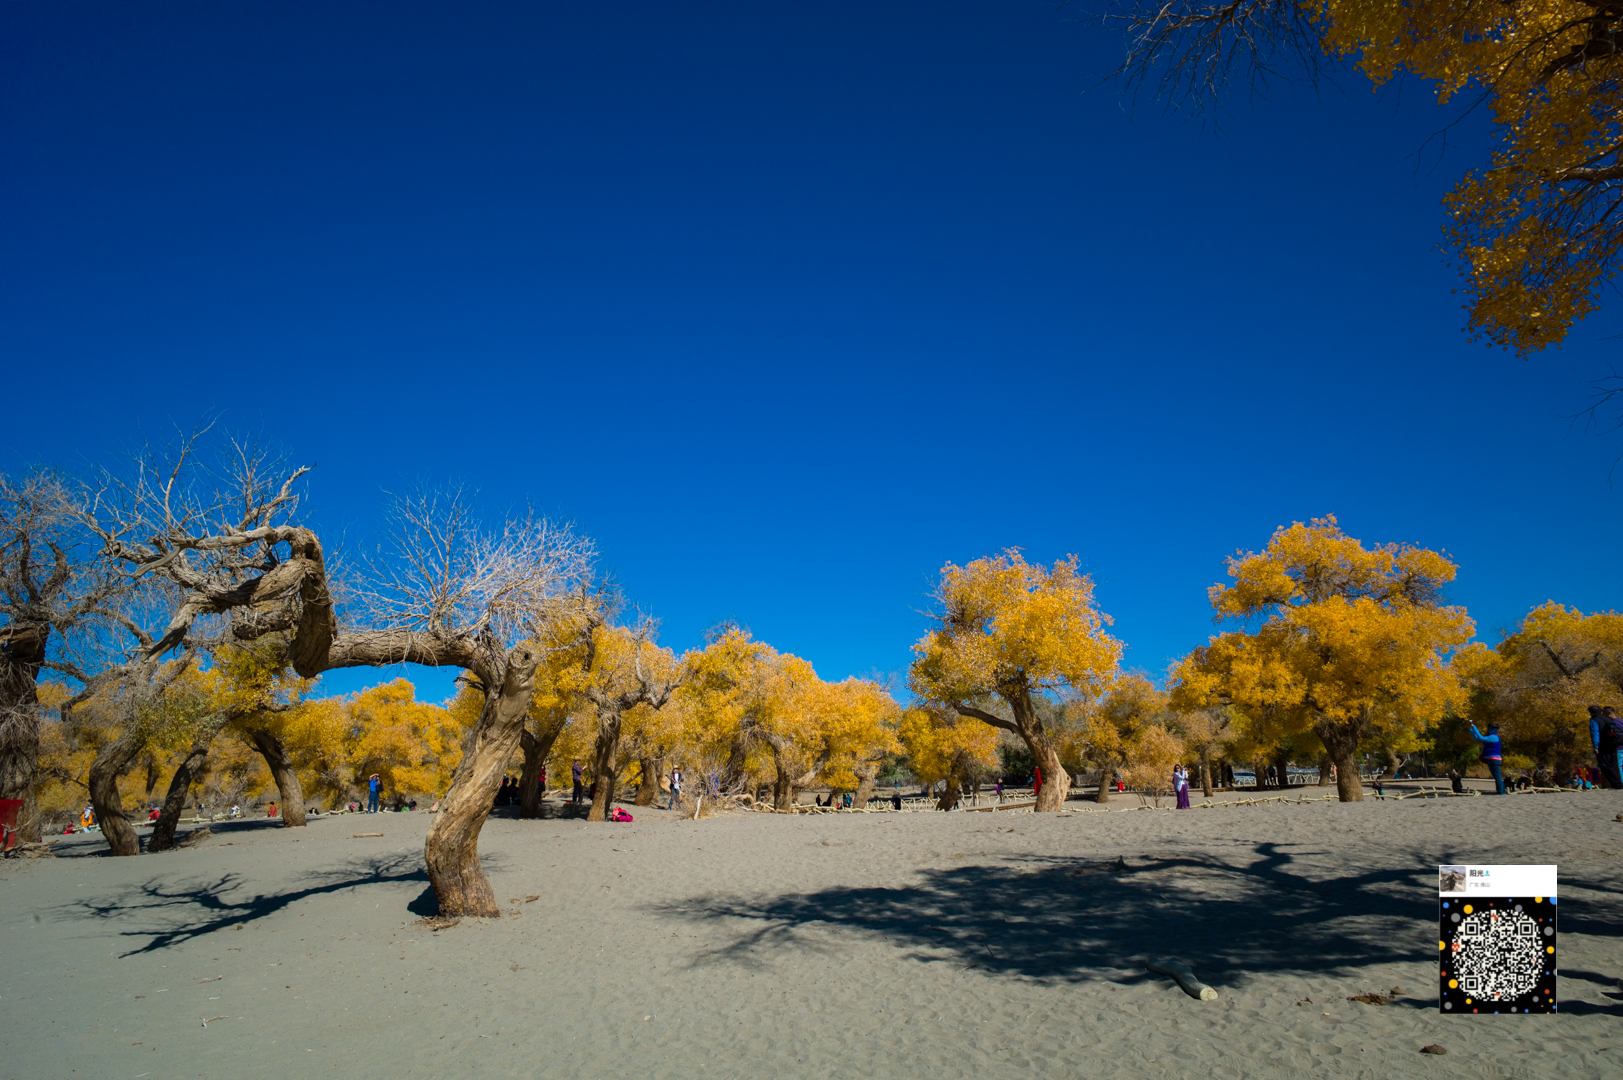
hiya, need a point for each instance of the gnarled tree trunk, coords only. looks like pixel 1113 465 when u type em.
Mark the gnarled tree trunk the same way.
pixel 1341 743
pixel 274 750
pixel 648 790
pixel 606 763
pixel 536 751
pixel 113 762
pixel 190 767
pixel 452 848
pixel 22 651
pixel 867 777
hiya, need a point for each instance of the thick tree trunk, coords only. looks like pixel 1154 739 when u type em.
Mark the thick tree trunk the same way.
pixel 1029 726
pixel 648 789
pixel 952 793
pixel 606 764
pixel 22 651
pixel 867 776
pixel 270 745
pixel 113 762
pixel 452 848
pixel 1324 771
pixel 783 792
pixel 536 751
pixel 1103 794
pixel 1206 773
pixel 190 767
pixel 1282 766
pixel 1341 743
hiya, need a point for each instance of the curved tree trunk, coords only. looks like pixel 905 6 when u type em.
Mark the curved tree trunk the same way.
pixel 606 764
pixel 113 762
pixel 867 777
pixel 537 748
pixel 452 847
pixel 22 651
pixel 951 792
pixel 288 786
pixel 1103 794
pixel 190 767
pixel 648 790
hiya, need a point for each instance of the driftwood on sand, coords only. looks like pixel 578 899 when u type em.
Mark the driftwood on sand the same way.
pixel 1183 977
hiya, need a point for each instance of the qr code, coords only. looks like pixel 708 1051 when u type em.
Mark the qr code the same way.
pixel 1498 955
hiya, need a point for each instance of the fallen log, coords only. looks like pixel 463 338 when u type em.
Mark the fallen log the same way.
pixel 1183 977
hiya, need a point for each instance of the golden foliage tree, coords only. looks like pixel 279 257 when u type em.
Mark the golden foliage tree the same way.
pixel 1537 228
pixel 1104 728
pixel 1348 642
pixel 943 745
pixel 1007 630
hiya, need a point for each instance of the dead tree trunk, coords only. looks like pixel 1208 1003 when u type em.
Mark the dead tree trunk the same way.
pixel 190 767
pixel 112 763
pixel 452 848
pixel 22 651
pixel 274 750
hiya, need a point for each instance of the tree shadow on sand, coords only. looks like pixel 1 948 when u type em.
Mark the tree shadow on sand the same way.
pixel 1057 920
pixel 172 913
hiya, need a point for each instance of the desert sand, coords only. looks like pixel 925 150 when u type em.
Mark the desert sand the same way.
pixel 760 945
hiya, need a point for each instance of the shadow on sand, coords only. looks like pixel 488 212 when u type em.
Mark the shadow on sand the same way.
pixel 1058 920
pixel 171 913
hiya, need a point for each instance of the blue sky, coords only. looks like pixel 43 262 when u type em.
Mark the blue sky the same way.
pixel 784 306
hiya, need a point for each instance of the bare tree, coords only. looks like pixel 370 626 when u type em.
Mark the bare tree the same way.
pixel 52 588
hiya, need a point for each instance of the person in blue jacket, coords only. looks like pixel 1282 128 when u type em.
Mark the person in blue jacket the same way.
pixel 1606 736
pixel 1493 755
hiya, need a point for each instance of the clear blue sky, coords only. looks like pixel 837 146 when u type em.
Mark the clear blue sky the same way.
pixel 784 305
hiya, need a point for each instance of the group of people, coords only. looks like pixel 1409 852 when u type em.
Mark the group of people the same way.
pixel 1605 739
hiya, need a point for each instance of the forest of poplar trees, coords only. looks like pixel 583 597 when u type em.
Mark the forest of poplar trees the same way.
pixel 163 625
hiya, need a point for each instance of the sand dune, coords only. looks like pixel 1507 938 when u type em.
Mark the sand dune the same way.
pixel 762 945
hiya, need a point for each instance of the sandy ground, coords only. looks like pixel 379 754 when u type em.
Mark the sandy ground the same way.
pixel 881 945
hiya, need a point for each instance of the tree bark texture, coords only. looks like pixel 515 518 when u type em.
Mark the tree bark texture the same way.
pixel 274 750
pixel 22 651
pixel 452 848
pixel 1206 773
pixel 113 762
pixel 190 767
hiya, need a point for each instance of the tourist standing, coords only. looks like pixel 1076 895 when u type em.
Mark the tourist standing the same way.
pixel 1493 755
pixel 1606 734
pixel 676 787
pixel 374 784
pixel 1180 784
pixel 575 771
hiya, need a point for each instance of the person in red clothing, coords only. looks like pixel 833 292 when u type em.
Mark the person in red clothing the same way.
pixel 1036 782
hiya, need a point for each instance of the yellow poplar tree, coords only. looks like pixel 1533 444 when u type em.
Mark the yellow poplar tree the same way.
pixel 1007 630
pixel 1348 642
pixel 942 745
